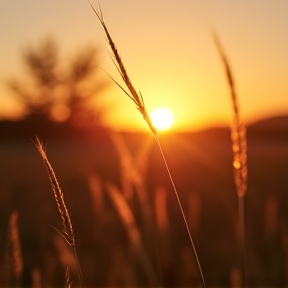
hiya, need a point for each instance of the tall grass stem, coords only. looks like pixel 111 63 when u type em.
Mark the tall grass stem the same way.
pixel 137 98
pixel 182 212
pixel 128 220
pixel 242 235
pixel 239 147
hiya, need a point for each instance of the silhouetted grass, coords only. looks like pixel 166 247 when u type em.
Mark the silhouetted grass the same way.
pixel 239 147
pixel 132 180
pixel 68 231
pixel 139 101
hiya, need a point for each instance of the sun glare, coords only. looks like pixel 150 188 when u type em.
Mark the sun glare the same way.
pixel 162 118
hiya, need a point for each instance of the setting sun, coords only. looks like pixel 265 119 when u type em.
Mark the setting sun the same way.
pixel 162 118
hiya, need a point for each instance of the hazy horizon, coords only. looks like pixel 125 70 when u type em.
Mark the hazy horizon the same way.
pixel 169 54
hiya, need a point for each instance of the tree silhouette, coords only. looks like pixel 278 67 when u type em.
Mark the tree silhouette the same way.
pixel 60 92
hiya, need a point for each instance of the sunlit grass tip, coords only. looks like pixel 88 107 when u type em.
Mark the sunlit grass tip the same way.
pixel 135 96
pixel 238 129
pixel 139 101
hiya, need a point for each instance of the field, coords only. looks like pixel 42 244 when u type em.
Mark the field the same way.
pixel 201 164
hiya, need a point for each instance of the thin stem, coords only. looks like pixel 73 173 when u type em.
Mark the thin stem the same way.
pixel 79 271
pixel 182 212
pixel 139 101
pixel 241 213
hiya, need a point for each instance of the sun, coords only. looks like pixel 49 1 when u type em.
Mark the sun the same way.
pixel 162 118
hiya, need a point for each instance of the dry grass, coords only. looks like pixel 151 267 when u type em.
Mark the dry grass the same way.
pixel 68 232
pixel 139 101
pixel 132 174
pixel 134 96
pixel 239 147
pixel 238 130
pixel 14 257
pixel 133 178
pixel 133 231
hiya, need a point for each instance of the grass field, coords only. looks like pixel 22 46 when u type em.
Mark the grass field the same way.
pixel 145 210
pixel 203 173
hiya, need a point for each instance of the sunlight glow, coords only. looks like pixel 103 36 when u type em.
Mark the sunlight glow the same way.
pixel 162 118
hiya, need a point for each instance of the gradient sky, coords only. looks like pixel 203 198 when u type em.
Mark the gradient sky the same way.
pixel 168 51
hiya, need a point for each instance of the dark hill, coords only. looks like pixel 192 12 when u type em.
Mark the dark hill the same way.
pixel 42 127
pixel 274 127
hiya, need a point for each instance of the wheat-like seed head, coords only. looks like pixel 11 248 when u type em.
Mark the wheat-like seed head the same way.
pixel 68 233
pixel 238 130
pixel 139 101
pixel 134 96
pixel 239 146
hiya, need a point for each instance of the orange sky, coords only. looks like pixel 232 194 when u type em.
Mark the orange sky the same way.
pixel 168 51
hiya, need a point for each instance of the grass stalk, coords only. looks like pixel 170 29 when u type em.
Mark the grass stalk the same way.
pixel 135 96
pixel 15 253
pixel 242 234
pixel 134 234
pixel 140 105
pixel 238 130
pixel 183 214
pixel 132 176
pixel 239 147
pixel 68 231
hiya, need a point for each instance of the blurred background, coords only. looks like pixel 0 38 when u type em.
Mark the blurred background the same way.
pixel 52 85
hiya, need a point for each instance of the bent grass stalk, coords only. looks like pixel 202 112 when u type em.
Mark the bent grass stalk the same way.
pixel 134 96
pixel 239 147
pixel 137 98
pixel 132 176
pixel 68 232
pixel 129 223
pixel 127 170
